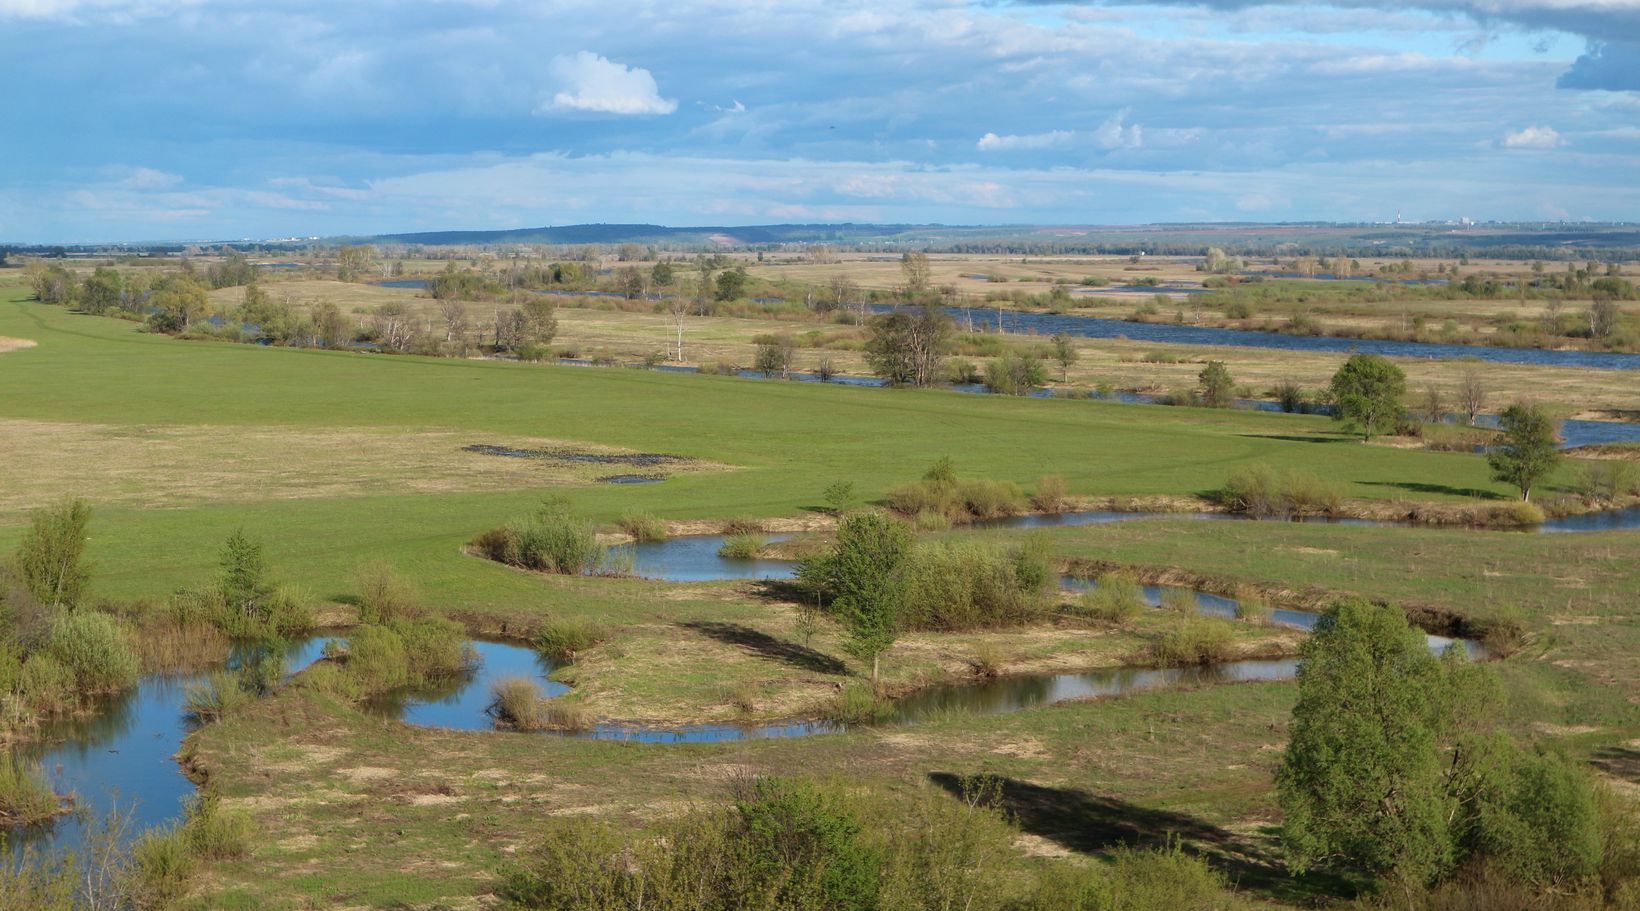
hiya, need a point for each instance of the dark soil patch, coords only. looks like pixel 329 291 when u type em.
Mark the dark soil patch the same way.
pixel 642 459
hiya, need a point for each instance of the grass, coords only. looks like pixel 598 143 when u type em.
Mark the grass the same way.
pixel 25 797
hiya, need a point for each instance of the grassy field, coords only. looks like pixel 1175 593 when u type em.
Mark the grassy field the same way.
pixel 335 458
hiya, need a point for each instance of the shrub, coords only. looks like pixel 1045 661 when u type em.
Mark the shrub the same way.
pixel 562 640
pixel 840 496
pixel 1505 631
pixel 566 715
pixel 376 659
pixel 1519 513
pixel 554 542
pixel 163 865
pixel 518 702
pixel 745 546
pixel 214 831
pixel 859 703
pixel 928 520
pixel 643 527
pixel 48 561
pixel 220 694
pixel 1251 604
pixel 435 648
pixel 1539 823
pixel 46 684
pixel 958 585
pixel 1116 598
pixel 1179 601
pixel 384 595
pixel 1609 479
pixel 95 648
pixel 1193 640
pixel 1262 491
pixel 743 525
pixel 25 798
pixel 1049 495
pixel 1290 396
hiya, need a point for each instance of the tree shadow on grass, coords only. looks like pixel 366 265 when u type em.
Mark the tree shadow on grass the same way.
pixel 785 591
pixel 1098 824
pixel 1424 487
pixel 767 646
pixel 1301 438
pixel 1619 762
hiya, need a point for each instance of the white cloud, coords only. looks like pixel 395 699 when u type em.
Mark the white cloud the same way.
pixel 593 82
pixel 1054 139
pixel 1533 138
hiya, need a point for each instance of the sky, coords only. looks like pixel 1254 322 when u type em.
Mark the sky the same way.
pixel 254 119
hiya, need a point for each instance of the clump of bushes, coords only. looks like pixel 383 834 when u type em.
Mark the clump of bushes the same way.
pixel 1179 601
pixel 643 527
pixel 562 640
pixel 401 653
pixel 1265 492
pixel 384 595
pixel 95 648
pixel 164 860
pixel 744 546
pixel 958 499
pixel 1251 604
pixel 1115 598
pixel 795 844
pixel 961 585
pixel 1193 639
pixel 25 798
pixel 553 540
pixel 220 694
pixel 859 703
pixel 1049 495
pixel 518 703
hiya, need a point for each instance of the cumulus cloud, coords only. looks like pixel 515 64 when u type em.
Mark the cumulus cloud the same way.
pixel 1112 134
pixel 1532 137
pixel 593 82
pixel 1054 139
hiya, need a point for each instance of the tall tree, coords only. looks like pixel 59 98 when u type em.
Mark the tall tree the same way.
pixel 1218 389
pixel 1528 451
pixel 1472 394
pixel 906 347
pixel 914 268
pixel 861 574
pixel 1065 353
pixel 1367 393
pixel 50 558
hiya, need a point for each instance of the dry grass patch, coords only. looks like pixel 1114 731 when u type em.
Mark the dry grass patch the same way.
pixel 14 344
pixel 168 465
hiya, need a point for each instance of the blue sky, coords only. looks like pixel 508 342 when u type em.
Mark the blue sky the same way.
pixel 224 119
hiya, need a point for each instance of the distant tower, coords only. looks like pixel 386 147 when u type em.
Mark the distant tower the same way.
pixel 1397 216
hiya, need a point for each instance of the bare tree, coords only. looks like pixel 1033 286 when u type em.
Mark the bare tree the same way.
pixel 455 318
pixel 1602 318
pixel 678 306
pixel 1434 407
pixel 914 267
pixel 1471 394
pixel 392 324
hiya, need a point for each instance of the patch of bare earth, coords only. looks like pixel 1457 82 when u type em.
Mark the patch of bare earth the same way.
pixel 14 344
pixel 168 465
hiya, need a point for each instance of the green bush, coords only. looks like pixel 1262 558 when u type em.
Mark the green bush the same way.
pixel 1537 822
pixel 960 585
pixel 858 703
pixel 643 527
pixel 384 595
pixel 435 649
pixel 1049 495
pixel 95 648
pixel 1179 601
pixel 214 831
pixel 376 659
pixel 1262 491
pixel 46 685
pixel 517 701
pixel 1251 605
pixel 1116 598
pixel 220 694
pixel 1193 639
pixel 553 542
pixel 561 640
pixel 163 863
pixel 744 546
pixel 25 798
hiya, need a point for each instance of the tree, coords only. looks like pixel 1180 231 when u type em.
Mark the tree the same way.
pixel 1218 389
pixel 1014 374
pixel 1471 394
pixel 1065 353
pixel 1528 452
pixel 102 291
pixel 1361 779
pixel 537 321
pixel 774 354
pixel 661 276
pixel 49 560
pixel 455 318
pixel 732 283
pixel 860 574
pixel 352 262
pixel 330 326
pixel 631 282
pixel 1367 394
pixel 1602 318
pixel 916 271
pixel 392 323
pixel 678 306
pixel 243 582
pixel 843 291
pixel 1434 406
pixel 178 299
pixel 906 347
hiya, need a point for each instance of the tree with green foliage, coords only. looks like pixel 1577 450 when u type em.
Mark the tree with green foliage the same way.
pixel 1395 765
pixel 1367 393
pixel 102 291
pixel 243 582
pixel 1065 354
pixel 1528 451
pixel 178 300
pixel 906 347
pixel 1218 389
pixel 860 575
pixel 732 284
pixel 1014 374
pixel 50 559
pixel 774 354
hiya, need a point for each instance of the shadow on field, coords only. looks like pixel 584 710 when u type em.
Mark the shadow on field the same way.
pixel 1300 438
pixel 1098 824
pixel 785 591
pixel 1423 487
pixel 761 643
pixel 1619 762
